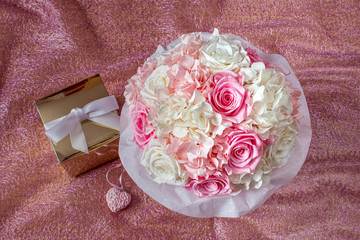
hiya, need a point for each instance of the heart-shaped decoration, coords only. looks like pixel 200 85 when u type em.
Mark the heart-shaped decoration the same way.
pixel 117 199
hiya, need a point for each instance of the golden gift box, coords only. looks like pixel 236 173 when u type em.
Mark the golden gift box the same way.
pixel 102 141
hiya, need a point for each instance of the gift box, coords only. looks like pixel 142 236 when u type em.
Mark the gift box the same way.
pixel 87 105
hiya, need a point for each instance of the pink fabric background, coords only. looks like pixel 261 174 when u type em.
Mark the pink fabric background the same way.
pixel 48 45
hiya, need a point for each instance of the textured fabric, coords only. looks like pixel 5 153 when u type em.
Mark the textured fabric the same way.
pixel 50 44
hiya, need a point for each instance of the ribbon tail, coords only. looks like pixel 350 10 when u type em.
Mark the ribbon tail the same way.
pixel 77 137
pixel 59 128
pixel 109 120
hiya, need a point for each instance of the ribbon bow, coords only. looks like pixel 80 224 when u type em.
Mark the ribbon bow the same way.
pixel 97 111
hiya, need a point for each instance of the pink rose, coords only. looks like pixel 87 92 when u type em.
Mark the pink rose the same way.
pixel 216 184
pixel 143 131
pixel 228 97
pixel 246 150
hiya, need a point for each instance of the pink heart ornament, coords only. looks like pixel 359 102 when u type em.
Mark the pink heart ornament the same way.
pixel 117 199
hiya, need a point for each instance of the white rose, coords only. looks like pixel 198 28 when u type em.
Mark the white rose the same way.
pixel 277 154
pixel 157 80
pixel 223 53
pixel 162 167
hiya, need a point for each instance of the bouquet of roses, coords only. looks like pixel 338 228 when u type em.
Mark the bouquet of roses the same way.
pixel 212 116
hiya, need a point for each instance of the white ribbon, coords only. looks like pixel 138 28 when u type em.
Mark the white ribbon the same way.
pixel 97 111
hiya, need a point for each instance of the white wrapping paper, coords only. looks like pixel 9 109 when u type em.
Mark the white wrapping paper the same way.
pixel 183 201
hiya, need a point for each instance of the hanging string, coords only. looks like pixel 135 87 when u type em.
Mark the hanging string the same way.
pixel 117 198
pixel 120 179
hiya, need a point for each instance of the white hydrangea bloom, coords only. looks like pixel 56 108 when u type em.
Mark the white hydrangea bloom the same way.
pixel 223 53
pixel 271 99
